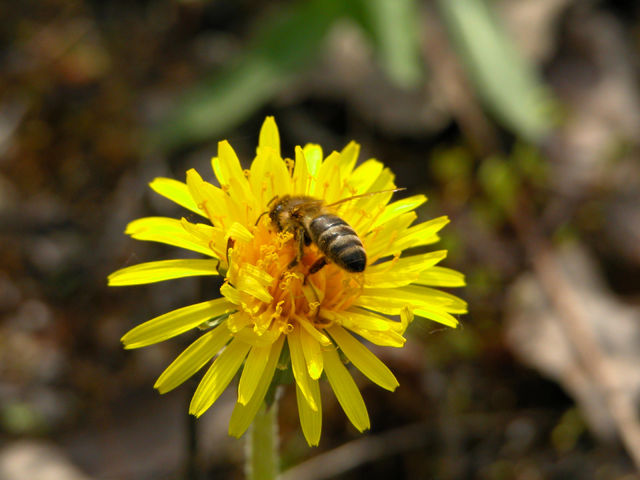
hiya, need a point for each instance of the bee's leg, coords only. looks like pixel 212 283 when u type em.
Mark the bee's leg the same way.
pixel 296 260
pixel 318 264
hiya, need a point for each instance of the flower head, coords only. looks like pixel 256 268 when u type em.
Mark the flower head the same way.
pixel 277 295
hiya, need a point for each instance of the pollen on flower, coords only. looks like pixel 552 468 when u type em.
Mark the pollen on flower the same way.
pixel 293 295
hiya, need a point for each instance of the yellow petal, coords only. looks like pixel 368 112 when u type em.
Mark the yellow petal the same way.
pixel 300 173
pixel 384 181
pixel 226 165
pixel 380 304
pixel 256 339
pixel 299 366
pixel 441 277
pixel 391 300
pixel 269 136
pixel 193 358
pixel 310 420
pixel 363 359
pixel 413 263
pixel 375 328
pixel 397 208
pixel 177 192
pixel 389 338
pixel 252 286
pixel 437 315
pixel 243 415
pixel 230 174
pixel 329 181
pixel 436 298
pixel 362 318
pixel 231 294
pixel 238 321
pixel 252 372
pixel 280 178
pixel 346 390
pixel 238 231
pixel 381 241
pixel 214 237
pixel 312 354
pixel 269 178
pixel 372 205
pixel 211 200
pixel 313 157
pixel 349 156
pixel 391 279
pixel 419 235
pixel 169 231
pixel 259 181
pixel 174 323
pixel 403 271
pixel 218 376
pixel 158 271
pixel 315 333
pixel 364 176
pixel 406 317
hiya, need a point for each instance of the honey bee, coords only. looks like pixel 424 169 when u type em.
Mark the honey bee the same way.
pixel 311 221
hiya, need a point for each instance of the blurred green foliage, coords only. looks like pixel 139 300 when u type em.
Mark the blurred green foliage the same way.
pixel 505 178
pixel 20 417
pixel 285 44
pixel 502 77
pixel 291 40
pixel 568 430
pixel 393 26
pixel 500 181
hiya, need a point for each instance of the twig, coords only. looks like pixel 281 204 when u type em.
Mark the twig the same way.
pixel 573 320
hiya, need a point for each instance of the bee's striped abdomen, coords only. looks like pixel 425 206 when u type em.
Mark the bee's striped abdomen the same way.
pixel 338 241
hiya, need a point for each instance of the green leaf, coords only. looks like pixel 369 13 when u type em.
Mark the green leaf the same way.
pixel 505 81
pixel 500 181
pixel 287 43
pixel 393 24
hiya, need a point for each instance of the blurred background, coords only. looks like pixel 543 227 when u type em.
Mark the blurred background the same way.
pixel 518 118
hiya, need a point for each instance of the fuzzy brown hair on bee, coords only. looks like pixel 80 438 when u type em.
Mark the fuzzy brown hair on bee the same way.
pixel 311 221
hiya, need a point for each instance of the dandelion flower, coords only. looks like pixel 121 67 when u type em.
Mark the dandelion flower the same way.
pixel 270 303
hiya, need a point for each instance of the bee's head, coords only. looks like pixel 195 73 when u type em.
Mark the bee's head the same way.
pixel 278 208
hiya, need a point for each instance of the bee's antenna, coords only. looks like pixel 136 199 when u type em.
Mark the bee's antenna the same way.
pixel 266 211
pixel 365 195
pixel 271 201
pixel 260 216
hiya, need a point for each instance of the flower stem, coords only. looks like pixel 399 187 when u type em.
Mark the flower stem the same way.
pixel 262 455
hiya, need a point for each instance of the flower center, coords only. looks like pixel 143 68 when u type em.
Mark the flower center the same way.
pixel 296 295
